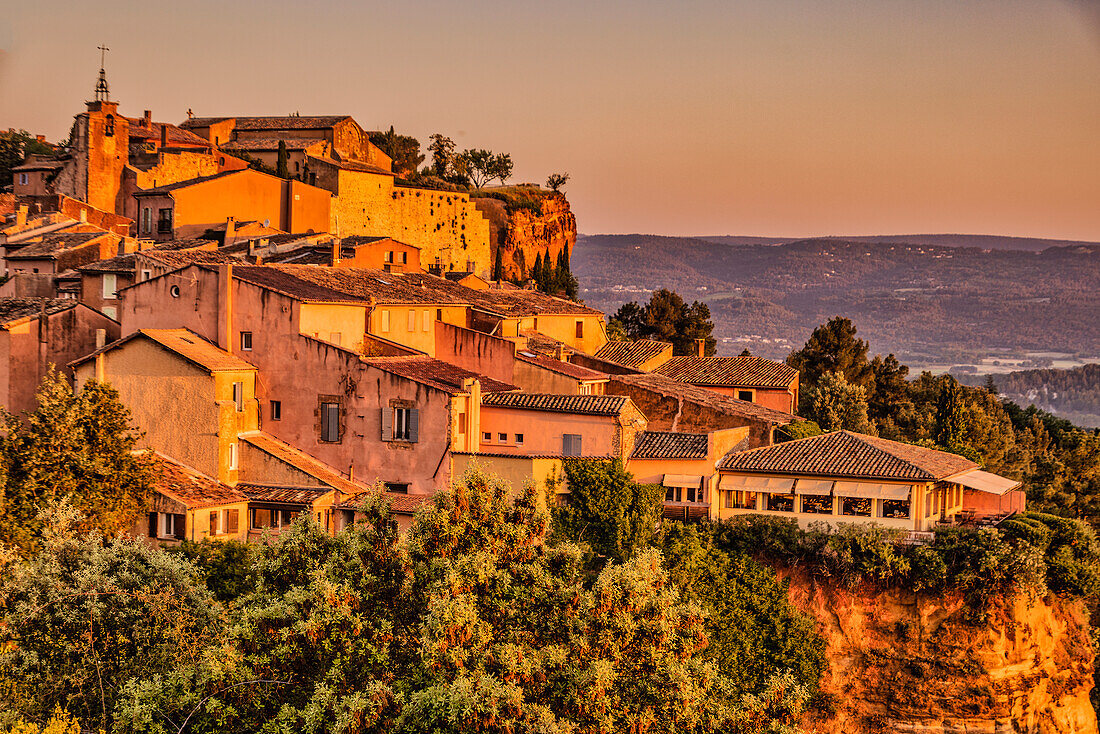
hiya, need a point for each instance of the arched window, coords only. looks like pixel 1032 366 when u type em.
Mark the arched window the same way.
pixel 109 127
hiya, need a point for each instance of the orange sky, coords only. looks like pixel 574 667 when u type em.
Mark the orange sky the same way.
pixel 766 117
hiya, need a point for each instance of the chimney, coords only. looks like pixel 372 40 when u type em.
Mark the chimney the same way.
pixel 225 306
pixel 147 121
pixel 21 216
pixel 40 138
pixel 164 136
pixel 700 347
pixel 335 252
pixel 230 232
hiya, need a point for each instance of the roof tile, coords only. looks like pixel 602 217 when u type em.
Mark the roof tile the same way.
pixel 192 488
pixel 667 445
pixel 632 354
pixel 729 371
pixel 435 373
pixel 579 404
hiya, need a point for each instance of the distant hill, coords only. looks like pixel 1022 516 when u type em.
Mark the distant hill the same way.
pixel 931 304
pixel 1071 393
pixel 981 241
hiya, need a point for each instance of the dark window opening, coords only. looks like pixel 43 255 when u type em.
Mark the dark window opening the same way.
pixel 895 508
pixel 398 487
pixel 780 502
pixel 815 505
pixel 246 341
pixel 330 422
pixel 164 221
pixel 276 410
pixel 859 506
pixel 745 395
pixel 109 126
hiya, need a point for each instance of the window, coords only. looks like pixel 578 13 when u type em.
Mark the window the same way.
pixel 232 456
pixel 405 426
pixel 167 525
pixel 580 329
pixel 895 508
pixel 502 437
pixel 461 422
pixel 439 314
pixel 571 444
pixel 817 505
pixel 109 126
pixel 164 221
pixel 412 320
pixel 276 410
pixel 519 439
pixel 673 494
pixel 427 320
pixel 330 422
pixel 404 258
pixel 110 285
pixel 146 220
pixel 297 166
pixel 859 506
pixel 238 396
pixel 146 275
pixel 384 317
pixel 780 502
pixel 232 519
pixel 398 487
pixel 740 500
pixel 487 437
pixel 389 256
pixel 745 395
pixel 110 312
pixel 23 179
pixel 214 528
pixel 262 517
pixel 246 341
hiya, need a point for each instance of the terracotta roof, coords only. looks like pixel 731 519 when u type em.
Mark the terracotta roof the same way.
pixel 847 454
pixel 275 122
pixel 435 373
pixel 47 165
pixel 117 264
pixel 185 244
pixel 729 371
pixel 666 445
pixel 280 494
pixel 185 343
pixel 361 240
pixel 182 258
pixel 168 188
pixel 282 280
pixel 701 396
pixel 632 354
pixel 192 488
pixel 350 165
pixel 247 144
pixel 16 309
pixel 175 135
pixel 578 404
pixel 53 244
pixel 563 368
pixel 302 461
pixel 402 504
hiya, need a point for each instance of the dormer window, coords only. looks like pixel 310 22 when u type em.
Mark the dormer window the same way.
pixel 109 126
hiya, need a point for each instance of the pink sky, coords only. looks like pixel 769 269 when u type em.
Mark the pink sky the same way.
pixel 765 117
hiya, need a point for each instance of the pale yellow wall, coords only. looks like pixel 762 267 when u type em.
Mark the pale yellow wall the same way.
pixel 443 224
pixel 517 471
pixel 198 522
pixel 424 317
pixel 322 320
pixel 563 327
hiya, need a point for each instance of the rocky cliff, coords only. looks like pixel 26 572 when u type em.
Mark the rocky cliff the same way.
pixel 523 227
pixel 902 662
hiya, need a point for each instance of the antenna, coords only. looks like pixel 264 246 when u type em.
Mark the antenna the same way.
pixel 102 93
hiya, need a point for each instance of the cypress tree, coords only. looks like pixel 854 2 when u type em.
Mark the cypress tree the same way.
pixel 536 272
pixel 282 167
pixel 498 267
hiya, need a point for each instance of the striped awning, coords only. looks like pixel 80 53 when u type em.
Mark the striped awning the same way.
pixel 984 481
pixel 771 485
pixel 682 480
pixel 814 487
pixel 872 490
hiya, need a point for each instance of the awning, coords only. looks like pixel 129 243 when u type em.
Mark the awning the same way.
pixel 984 481
pixel 872 490
pixel 814 487
pixel 772 485
pixel 682 480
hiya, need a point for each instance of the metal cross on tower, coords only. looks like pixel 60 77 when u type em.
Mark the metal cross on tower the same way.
pixel 102 93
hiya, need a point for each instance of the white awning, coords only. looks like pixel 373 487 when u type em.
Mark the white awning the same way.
pixel 984 481
pixel 872 490
pixel 772 485
pixel 683 480
pixel 814 487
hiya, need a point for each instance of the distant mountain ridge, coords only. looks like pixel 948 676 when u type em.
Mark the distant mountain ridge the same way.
pixel 981 241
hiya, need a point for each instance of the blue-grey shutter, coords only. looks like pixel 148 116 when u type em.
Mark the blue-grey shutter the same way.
pixel 334 422
pixel 387 424
pixel 414 424
pixel 576 445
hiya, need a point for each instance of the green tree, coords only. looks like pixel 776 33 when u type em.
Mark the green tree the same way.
pixel 951 423
pixel 481 169
pixel 85 615
pixel 667 318
pixel 498 264
pixel 536 271
pixel 80 447
pixel 833 347
pixel 889 404
pixel 15 146
pixel 403 151
pixel 555 181
pixel 502 168
pixel 607 509
pixel 282 163
pixel 443 154
pixel 836 405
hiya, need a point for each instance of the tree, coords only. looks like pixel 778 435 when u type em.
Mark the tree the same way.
pixel 536 271
pixel 555 181
pixel 282 164
pixel 667 318
pixel 836 405
pixel 85 615
pixel 833 347
pixel 15 146
pixel 80 447
pixel 607 509
pixel 403 151
pixel 951 423
pixel 498 264
pixel 481 169
pixel 502 168
pixel 889 404
pixel 442 149
pixel 990 385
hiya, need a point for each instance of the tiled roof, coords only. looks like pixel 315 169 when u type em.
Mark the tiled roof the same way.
pixel 247 144
pixel 54 244
pixel 302 461
pixel 435 373
pixel 729 371
pixel 403 504
pixel 578 404
pixel 181 258
pixel 632 354
pixel 847 454
pixel 556 365
pixel 192 488
pixel 14 309
pixel 283 280
pixel 185 343
pixel 276 122
pixel 361 240
pixel 46 165
pixel 176 136
pixel 666 445
pixel 185 244
pixel 280 494
pixel 701 396
pixel 350 165
pixel 117 264
pixel 168 188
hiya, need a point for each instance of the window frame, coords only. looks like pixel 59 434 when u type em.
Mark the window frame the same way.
pixel 276 409
pixel 329 413
pixel 246 341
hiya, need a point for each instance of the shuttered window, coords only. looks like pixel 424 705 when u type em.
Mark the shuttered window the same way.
pixel 406 424
pixel 231 521
pixel 330 421
pixel 571 444
pixel 238 396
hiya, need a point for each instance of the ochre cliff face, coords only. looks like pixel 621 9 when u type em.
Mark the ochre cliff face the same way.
pixel 899 662
pixel 525 234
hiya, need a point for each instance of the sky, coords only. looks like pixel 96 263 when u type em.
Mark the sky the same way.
pixel 698 117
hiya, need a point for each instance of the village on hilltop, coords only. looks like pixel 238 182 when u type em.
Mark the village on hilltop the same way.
pixel 289 344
